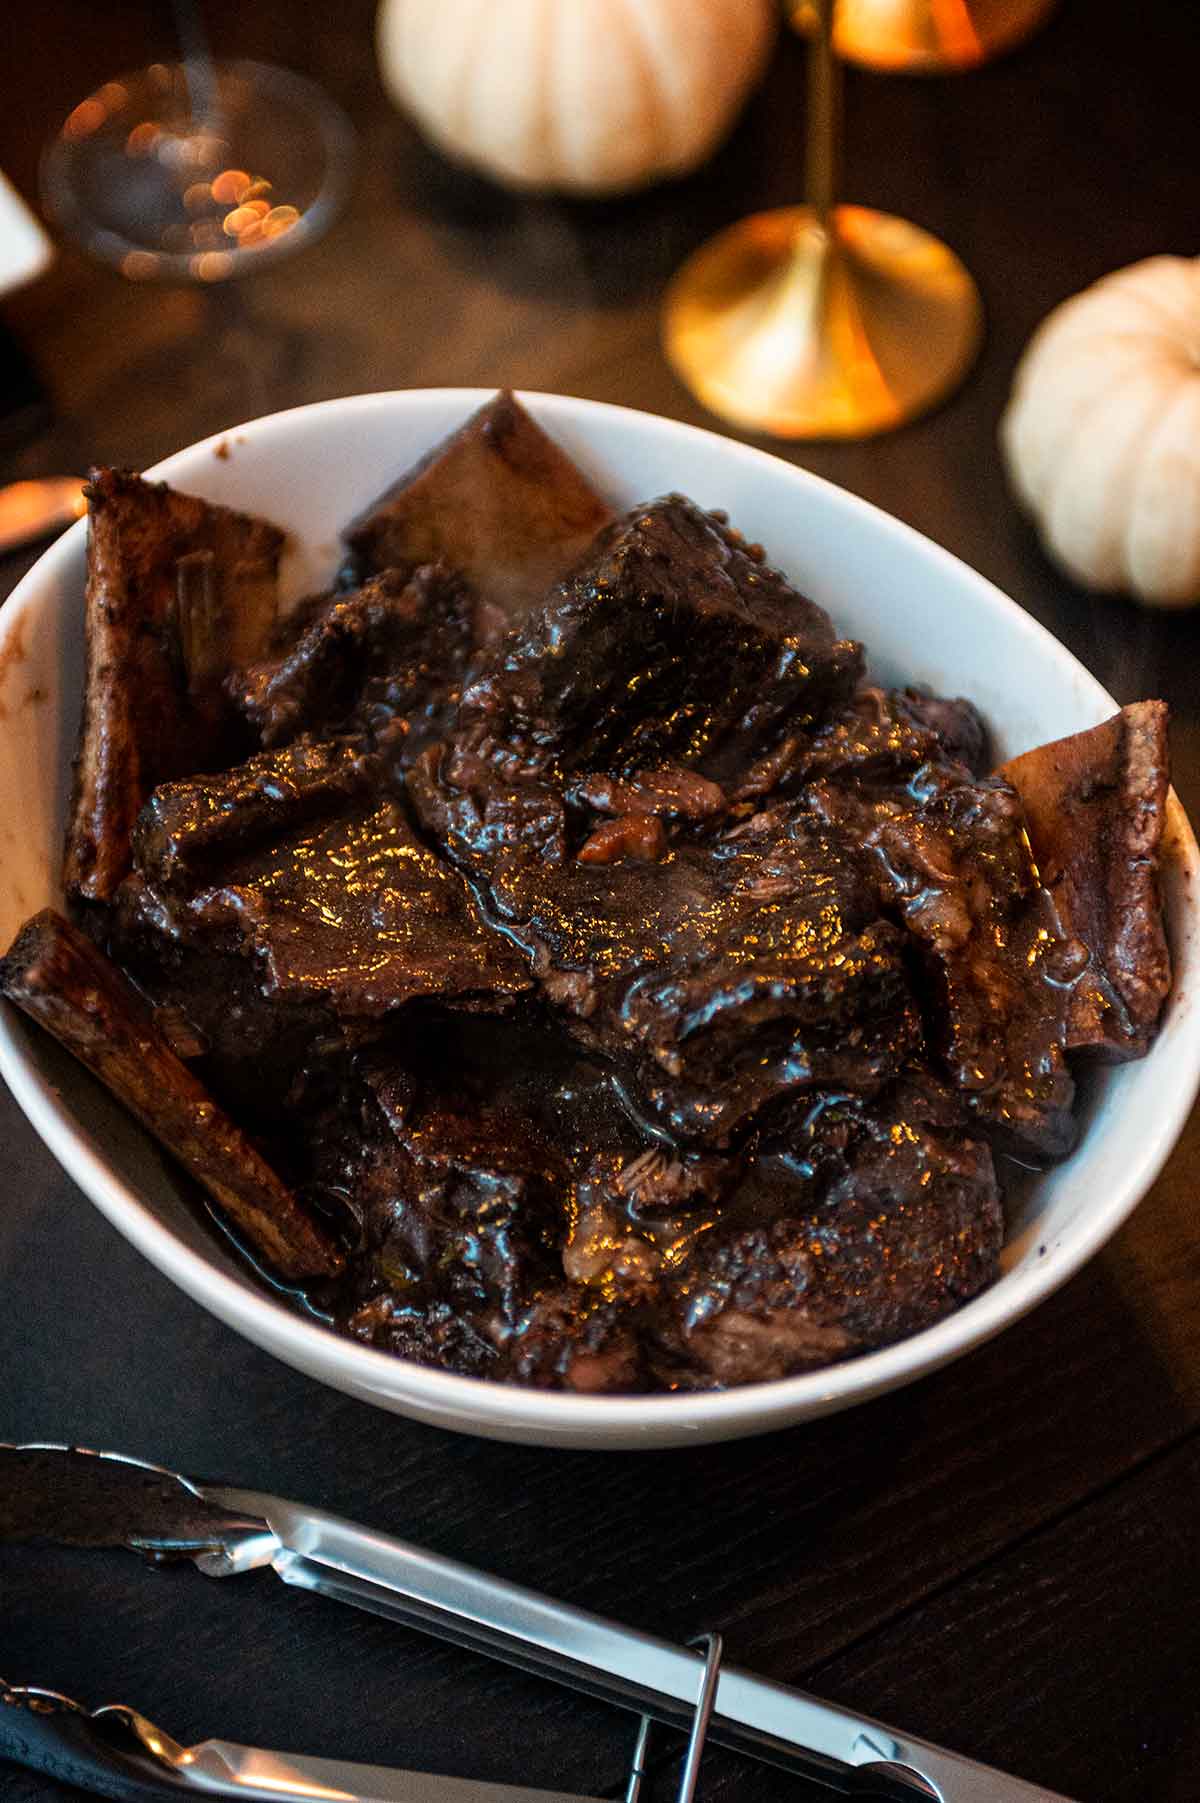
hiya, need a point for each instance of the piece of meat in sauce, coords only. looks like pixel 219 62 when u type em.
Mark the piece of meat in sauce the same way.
pixel 209 998
pixel 634 1218
pixel 498 1179
pixel 670 650
pixel 178 591
pixel 384 664
pixel 461 1166
pixel 357 914
pixel 670 643
pixel 746 967
pixel 950 856
pixel 879 735
pixel 287 908
pixel 1095 805
pixel 461 1207
pixel 855 1225
pixel 847 1226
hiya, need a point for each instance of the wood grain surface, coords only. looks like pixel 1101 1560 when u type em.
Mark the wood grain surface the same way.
pixel 1003 1557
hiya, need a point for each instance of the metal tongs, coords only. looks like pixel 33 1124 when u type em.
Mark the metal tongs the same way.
pixel 116 1752
pixel 76 1497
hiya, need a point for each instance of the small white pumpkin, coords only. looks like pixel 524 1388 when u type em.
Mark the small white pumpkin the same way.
pixel 1102 432
pixel 581 96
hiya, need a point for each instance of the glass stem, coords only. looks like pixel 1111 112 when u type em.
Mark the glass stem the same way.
pixel 199 68
pixel 822 152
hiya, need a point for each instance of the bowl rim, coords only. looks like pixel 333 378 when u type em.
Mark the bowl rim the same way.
pixel 368 1372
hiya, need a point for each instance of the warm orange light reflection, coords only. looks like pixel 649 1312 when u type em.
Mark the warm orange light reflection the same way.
pixel 143 138
pixel 212 266
pixel 88 115
pixel 245 219
pixel 956 29
pixel 229 185
pixel 139 265
pixel 280 220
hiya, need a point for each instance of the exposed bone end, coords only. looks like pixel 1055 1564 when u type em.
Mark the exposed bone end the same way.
pixel 69 987
pixel 1095 804
pixel 178 591
pixel 498 500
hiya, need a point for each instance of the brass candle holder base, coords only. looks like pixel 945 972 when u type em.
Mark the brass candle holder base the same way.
pixel 790 327
pixel 925 37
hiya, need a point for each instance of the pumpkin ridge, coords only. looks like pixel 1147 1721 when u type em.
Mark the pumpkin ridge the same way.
pixel 645 70
pixel 1146 477
pixel 1060 463
pixel 440 80
pixel 1067 471
pixel 660 70
pixel 1072 318
pixel 1170 323
pixel 545 133
pixel 457 113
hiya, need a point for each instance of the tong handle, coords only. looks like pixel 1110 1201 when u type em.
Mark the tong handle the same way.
pixel 48 1733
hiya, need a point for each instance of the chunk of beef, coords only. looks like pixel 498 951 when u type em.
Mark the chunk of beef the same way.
pixel 855 1226
pixel 778 975
pixel 481 806
pixel 462 1170
pixel 1095 805
pixel 636 1215
pixel 475 1221
pixel 209 1003
pixel 177 592
pixel 738 971
pixel 285 910
pixel 496 1174
pixel 573 1338
pixel 951 855
pixel 187 828
pixel 671 643
pixel 385 663
pixel 209 993
pixel 848 1226
pixel 498 501
pixel 66 984
pixel 879 736
pixel 957 725
pixel 356 914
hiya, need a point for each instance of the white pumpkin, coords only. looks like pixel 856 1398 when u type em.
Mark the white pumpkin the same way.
pixel 582 96
pixel 1102 433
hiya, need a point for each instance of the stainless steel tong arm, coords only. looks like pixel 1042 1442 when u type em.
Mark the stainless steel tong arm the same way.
pixel 104 1500
pixel 117 1752
pixel 405 1583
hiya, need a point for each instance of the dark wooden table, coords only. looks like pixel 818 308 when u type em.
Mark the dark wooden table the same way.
pixel 1004 1557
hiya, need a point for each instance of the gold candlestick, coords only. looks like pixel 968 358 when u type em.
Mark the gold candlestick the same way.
pixel 925 37
pixel 821 321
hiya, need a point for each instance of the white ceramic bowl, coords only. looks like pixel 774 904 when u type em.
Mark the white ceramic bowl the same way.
pixel 924 617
